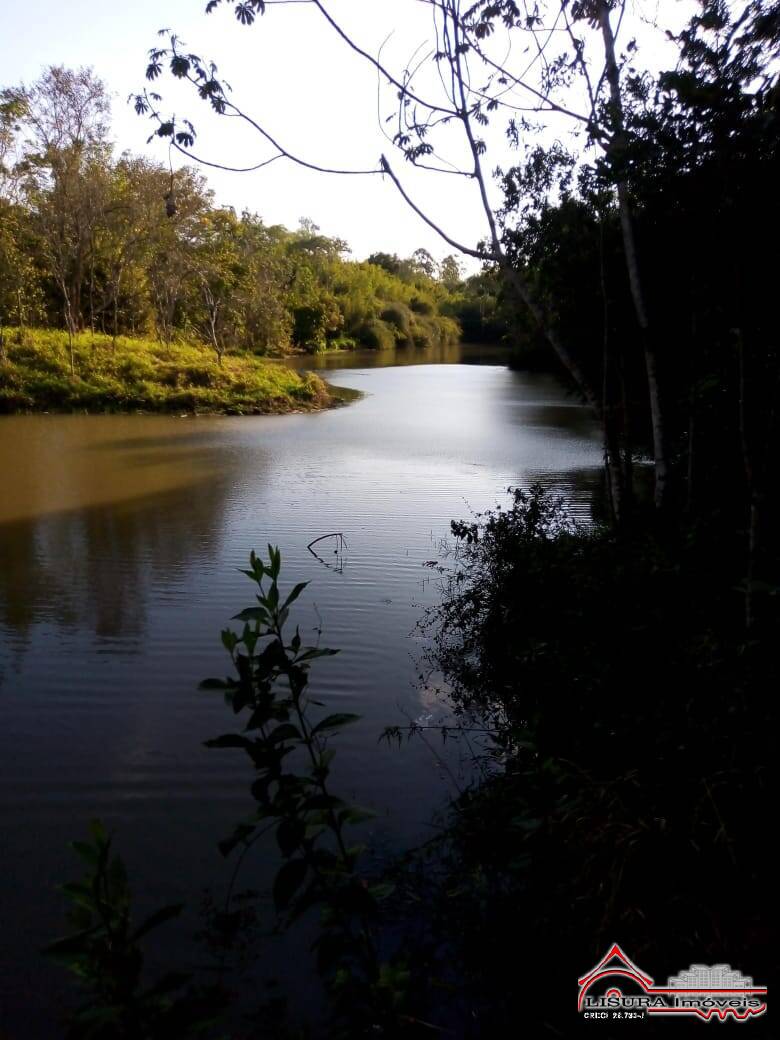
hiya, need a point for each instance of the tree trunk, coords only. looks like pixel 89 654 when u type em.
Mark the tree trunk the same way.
pixel 632 265
pixel 518 282
pixel 69 324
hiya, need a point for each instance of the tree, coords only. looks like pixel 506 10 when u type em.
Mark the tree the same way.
pixel 575 74
pixel 20 291
pixel 215 265
pixel 460 31
pixel 65 115
pixel 450 272
pixel 12 112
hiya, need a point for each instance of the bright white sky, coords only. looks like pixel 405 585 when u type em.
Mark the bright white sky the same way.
pixel 293 74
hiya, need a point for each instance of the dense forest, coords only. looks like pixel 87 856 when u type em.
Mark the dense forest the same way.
pixel 123 246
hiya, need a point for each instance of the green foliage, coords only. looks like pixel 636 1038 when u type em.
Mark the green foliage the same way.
pixel 124 246
pixel 399 317
pixel 376 335
pixel 104 951
pixel 628 725
pixel 287 739
pixel 143 375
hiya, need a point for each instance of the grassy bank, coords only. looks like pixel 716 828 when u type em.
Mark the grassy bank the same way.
pixel 146 376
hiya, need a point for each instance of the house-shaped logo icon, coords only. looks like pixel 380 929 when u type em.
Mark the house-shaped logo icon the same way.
pixel 717 991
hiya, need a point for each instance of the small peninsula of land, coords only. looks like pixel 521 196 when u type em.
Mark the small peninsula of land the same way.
pixel 39 373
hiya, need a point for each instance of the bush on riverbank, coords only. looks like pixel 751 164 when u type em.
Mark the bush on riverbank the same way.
pixel 626 781
pixel 144 375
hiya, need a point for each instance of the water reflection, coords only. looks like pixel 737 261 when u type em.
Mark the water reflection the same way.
pixel 93 512
pixel 448 354
pixel 120 543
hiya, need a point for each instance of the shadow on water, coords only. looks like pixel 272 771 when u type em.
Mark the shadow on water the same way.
pixel 120 543
pixel 90 567
pixel 94 519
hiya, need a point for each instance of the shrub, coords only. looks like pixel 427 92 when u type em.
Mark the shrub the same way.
pixel 422 305
pixel 376 335
pixel 399 316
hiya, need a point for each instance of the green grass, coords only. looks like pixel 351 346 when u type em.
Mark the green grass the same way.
pixel 143 375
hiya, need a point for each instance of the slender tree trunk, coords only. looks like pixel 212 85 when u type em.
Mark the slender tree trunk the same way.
pixel 517 281
pixel 614 448
pixel 512 276
pixel 759 401
pixel 20 314
pixel 92 294
pixel 690 491
pixel 69 324
pixel 632 264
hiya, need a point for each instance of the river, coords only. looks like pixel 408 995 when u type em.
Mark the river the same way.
pixel 120 543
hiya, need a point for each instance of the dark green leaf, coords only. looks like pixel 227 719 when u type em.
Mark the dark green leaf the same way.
pixel 335 721
pixel 295 593
pixel 285 732
pixel 288 880
pixel 252 614
pixel 229 740
pixel 215 684
pixel 156 919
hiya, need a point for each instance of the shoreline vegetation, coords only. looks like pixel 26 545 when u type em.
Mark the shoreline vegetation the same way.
pixel 125 286
pixel 142 375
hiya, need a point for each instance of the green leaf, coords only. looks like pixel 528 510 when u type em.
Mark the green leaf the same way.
pixel 79 893
pixel 285 732
pixel 326 758
pixel 239 835
pixel 69 944
pixel 288 880
pixel 311 652
pixel 251 614
pixel 229 740
pixel 295 593
pixel 86 851
pixel 99 833
pixel 380 892
pixel 355 814
pixel 289 835
pixel 335 721
pixel 215 684
pixel 324 801
pixel 165 913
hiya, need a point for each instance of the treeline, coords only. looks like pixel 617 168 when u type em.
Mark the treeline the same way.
pixel 671 330
pixel 124 245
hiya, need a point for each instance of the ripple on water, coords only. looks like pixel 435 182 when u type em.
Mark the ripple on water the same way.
pixel 120 543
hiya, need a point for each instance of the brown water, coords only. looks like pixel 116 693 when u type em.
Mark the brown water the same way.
pixel 120 539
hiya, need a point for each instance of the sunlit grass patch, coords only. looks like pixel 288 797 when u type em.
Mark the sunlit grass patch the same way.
pixel 140 374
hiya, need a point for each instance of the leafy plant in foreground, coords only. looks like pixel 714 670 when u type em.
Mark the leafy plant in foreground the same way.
pixel 104 952
pixel 292 762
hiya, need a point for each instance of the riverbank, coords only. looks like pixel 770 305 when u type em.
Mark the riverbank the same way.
pixel 143 375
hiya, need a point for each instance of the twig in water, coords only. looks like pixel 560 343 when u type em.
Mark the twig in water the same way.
pixel 322 537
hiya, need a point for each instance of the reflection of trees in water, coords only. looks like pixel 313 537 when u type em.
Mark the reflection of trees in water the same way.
pixel 92 567
pixel 441 354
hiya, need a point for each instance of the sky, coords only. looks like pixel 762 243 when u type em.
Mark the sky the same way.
pixel 293 73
